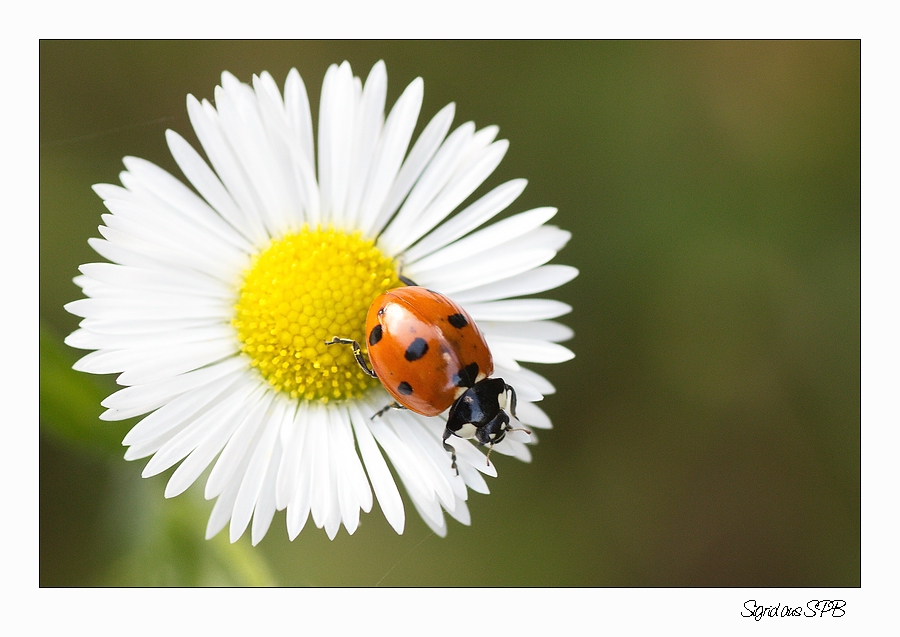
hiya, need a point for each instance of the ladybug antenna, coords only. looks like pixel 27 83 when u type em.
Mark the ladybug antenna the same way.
pixel 491 447
pixel 405 280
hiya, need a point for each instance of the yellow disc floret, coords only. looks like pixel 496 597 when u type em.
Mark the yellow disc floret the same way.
pixel 302 290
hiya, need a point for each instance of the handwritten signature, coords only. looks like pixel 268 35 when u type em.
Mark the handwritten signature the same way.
pixel 813 608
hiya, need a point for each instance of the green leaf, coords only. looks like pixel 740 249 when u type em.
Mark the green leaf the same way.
pixel 70 401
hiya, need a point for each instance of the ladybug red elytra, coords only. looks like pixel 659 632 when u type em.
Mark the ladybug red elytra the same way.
pixel 429 355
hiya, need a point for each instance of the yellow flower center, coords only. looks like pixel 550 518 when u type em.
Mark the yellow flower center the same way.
pixel 299 292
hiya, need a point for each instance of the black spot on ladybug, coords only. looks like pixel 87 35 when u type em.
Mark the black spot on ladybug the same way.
pixel 375 335
pixel 466 376
pixel 457 320
pixel 416 350
pixel 405 388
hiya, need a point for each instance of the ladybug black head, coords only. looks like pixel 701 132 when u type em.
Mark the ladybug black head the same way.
pixel 480 412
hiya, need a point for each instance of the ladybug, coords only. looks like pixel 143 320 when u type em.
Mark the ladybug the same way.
pixel 429 355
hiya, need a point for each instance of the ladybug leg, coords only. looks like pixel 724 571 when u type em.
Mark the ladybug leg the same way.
pixel 384 410
pixel 512 401
pixel 512 410
pixel 451 450
pixel 357 352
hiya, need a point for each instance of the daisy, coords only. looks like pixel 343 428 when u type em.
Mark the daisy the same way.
pixel 214 306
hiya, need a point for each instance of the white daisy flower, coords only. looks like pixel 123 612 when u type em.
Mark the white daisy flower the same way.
pixel 214 309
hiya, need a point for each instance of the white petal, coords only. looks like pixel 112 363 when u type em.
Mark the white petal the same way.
pixel 296 108
pixel 514 448
pixel 202 426
pixel 458 190
pixel 467 453
pixel 398 130
pixel 292 435
pixel 435 177
pixel 410 430
pixel 221 512
pixel 460 512
pixel 353 473
pixel 299 187
pixel 291 196
pixel 481 211
pixel 159 307
pixel 431 513
pixel 517 310
pixel 140 399
pixel 85 339
pixel 540 330
pixel 153 364
pixel 183 409
pixel 253 479
pixel 492 268
pixel 239 442
pixel 189 209
pixel 380 476
pixel 265 180
pixel 472 477
pixel 348 505
pixel 265 507
pixel 505 360
pixel 118 327
pixel 547 236
pixel 533 416
pixel 419 158
pixel 112 191
pixel 120 278
pixel 407 465
pixel 153 444
pixel 367 130
pixel 144 249
pixel 323 499
pixel 488 239
pixel 337 113
pixel 533 281
pixel 198 460
pixel 523 377
pixel 525 392
pixel 117 253
pixel 299 508
pixel 205 121
pixel 208 184
pixel 529 350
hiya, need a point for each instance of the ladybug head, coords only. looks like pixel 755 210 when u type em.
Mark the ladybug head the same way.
pixel 480 412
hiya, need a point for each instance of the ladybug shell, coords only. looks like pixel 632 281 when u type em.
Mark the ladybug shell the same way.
pixel 425 349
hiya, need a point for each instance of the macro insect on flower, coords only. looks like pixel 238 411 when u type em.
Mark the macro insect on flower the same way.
pixel 230 311
pixel 430 356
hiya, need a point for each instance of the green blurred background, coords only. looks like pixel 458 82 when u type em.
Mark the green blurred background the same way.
pixel 707 432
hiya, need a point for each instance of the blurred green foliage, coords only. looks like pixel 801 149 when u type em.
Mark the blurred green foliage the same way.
pixel 708 430
pixel 166 549
pixel 70 401
pixel 173 553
